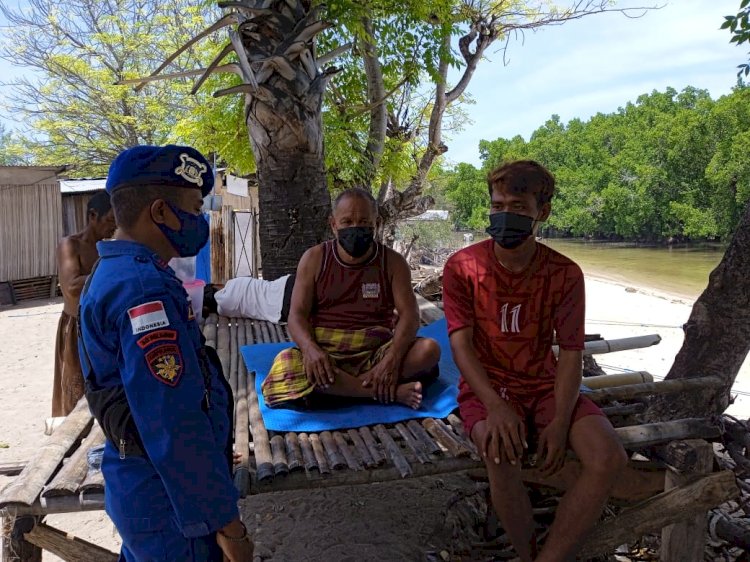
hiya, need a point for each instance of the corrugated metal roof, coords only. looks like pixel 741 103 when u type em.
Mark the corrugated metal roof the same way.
pixel 82 186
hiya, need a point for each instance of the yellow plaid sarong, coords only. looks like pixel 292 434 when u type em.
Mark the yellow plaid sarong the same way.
pixel 353 351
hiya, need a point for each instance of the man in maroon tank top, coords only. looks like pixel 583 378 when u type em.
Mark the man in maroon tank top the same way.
pixel 504 299
pixel 349 343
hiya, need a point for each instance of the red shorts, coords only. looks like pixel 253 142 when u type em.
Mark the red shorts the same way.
pixel 536 411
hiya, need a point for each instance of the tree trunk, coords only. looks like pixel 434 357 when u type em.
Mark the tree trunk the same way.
pixel 717 335
pixel 284 119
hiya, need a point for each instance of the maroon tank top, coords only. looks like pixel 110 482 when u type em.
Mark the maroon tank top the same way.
pixel 353 297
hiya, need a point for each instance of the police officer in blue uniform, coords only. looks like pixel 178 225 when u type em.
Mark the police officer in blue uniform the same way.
pixel 157 391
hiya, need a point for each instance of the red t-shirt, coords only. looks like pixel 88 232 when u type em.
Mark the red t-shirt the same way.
pixel 515 315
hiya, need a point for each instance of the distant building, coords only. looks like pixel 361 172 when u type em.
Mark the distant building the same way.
pixel 431 215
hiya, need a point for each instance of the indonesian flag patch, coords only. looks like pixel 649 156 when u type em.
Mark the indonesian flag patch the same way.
pixel 147 317
pixel 165 363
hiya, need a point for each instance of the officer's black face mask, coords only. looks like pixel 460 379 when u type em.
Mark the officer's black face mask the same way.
pixel 356 240
pixel 510 230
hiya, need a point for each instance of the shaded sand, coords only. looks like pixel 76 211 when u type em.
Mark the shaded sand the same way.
pixel 384 522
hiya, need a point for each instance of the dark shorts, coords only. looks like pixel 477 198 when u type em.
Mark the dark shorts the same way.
pixel 536 411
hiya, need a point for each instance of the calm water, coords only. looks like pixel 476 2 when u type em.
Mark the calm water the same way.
pixel 680 270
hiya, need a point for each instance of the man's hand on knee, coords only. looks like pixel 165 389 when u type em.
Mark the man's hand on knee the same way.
pixel 504 435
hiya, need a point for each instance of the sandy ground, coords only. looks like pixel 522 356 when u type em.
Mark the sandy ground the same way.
pixel 390 522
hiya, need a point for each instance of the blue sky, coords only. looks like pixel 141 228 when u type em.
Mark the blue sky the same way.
pixel 595 64
pixel 598 64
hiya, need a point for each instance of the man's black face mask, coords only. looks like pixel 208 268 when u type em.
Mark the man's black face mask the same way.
pixel 510 230
pixel 356 240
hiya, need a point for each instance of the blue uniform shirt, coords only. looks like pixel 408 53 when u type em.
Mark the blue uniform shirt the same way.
pixel 139 332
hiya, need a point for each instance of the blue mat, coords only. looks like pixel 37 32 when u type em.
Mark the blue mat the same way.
pixel 439 397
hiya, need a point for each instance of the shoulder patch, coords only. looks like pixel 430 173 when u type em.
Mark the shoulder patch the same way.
pixel 165 363
pixel 159 335
pixel 147 317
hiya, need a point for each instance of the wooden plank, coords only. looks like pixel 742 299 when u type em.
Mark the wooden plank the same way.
pixel 335 458
pixel 413 443
pixel 372 446
pixel 66 546
pixel 73 472
pixel 394 452
pixel 362 450
pixel 349 455
pixel 27 485
pixel 308 455
pixel 320 454
pixel 62 504
pixel 661 510
pixel 261 444
pixel 649 434
pixel 15 547
pixel 660 387
pixel 278 454
pixel 687 540
pixel 293 452
pixel 445 438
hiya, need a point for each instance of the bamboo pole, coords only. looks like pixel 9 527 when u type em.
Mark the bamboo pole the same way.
pixel 349 455
pixel 27 485
pixel 242 435
pixel 335 458
pixel 262 446
pixel 278 454
pixel 632 391
pixel 441 434
pixel 375 450
pixel 320 454
pixel 362 449
pixel 617 379
pixel 308 455
pixel 73 472
pixel 426 442
pixel 620 344
pixel 222 343
pixel 394 452
pixel 412 443
pixel 293 451
pixel 233 356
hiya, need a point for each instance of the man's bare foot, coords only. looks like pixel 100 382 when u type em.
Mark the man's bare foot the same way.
pixel 410 394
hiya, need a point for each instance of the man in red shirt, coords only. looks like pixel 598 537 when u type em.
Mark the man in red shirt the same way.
pixel 504 299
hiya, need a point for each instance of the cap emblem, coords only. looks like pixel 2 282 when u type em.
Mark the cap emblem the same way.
pixel 191 170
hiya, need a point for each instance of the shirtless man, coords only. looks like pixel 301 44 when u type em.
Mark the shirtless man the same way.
pixel 76 256
pixel 342 319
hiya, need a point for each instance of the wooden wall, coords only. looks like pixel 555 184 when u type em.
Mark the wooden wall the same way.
pixel 74 212
pixel 30 228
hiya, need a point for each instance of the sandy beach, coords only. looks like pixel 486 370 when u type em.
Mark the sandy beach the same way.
pixel 390 522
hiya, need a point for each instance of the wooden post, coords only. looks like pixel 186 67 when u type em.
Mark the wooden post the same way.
pixel 686 541
pixel 67 546
pixel 15 548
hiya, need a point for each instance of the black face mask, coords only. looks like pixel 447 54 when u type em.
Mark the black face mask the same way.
pixel 510 229
pixel 356 240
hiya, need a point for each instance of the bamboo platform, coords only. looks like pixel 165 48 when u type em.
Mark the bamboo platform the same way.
pixel 57 479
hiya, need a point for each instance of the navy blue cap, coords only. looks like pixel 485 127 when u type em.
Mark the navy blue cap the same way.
pixel 171 166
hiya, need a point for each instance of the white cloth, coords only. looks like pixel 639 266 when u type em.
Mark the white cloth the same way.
pixel 247 297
